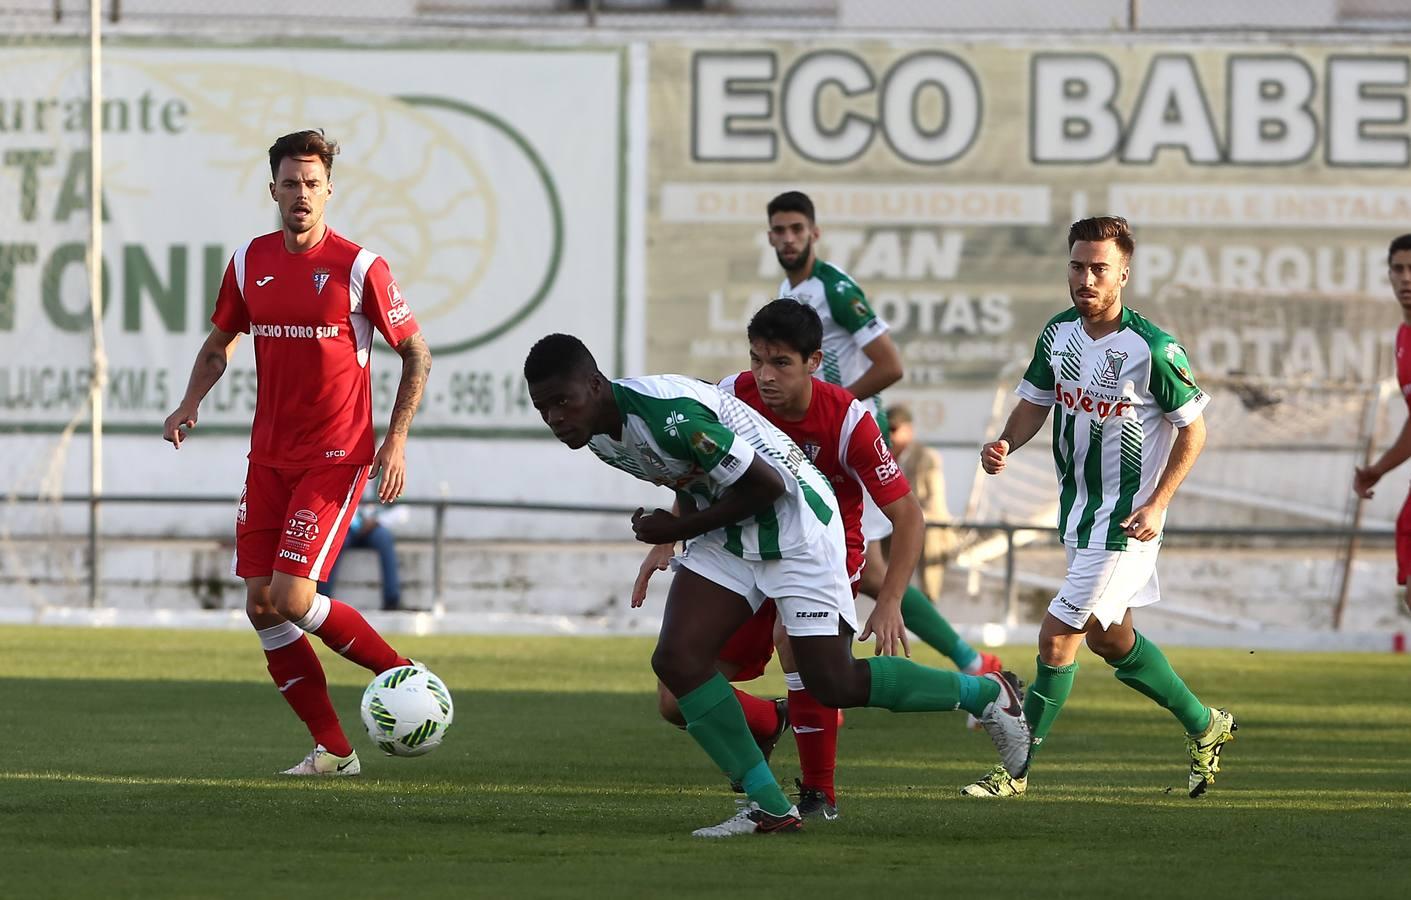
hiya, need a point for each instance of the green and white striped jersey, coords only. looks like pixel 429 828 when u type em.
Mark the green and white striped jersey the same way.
pixel 1117 404
pixel 698 440
pixel 849 324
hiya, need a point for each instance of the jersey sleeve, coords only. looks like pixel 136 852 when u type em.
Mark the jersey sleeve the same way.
pixel 1037 384
pixel 1173 386
pixel 692 431
pixel 871 459
pixel 850 309
pixel 384 305
pixel 231 314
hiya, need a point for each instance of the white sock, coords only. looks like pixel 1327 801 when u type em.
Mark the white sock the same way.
pixel 281 635
pixel 793 680
pixel 974 667
pixel 318 612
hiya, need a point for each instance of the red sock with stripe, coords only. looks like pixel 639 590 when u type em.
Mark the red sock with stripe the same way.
pixel 760 714
pixel 816 734
pixel 298 674
pixel 349 635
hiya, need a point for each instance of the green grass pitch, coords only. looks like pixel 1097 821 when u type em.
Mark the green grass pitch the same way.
pixel 136 764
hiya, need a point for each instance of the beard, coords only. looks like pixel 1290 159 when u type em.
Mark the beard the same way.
pixel 799 260
pixel 296 226
pixel 1094 306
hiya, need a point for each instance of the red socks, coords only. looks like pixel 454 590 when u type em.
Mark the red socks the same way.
pixel 760 714
pixel 346 631
pixel 816 733
pixel 299 676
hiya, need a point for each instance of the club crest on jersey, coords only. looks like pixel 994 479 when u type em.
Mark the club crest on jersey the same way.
pixel 320 279
pixel 1111 368
pixel 811 449
pixel 704 445
pixel 1176 355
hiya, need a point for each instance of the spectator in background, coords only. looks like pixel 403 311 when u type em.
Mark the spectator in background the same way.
pixel 923 468
pixel 369 529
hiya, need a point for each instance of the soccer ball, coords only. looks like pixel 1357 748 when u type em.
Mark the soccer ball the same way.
pixel 406 711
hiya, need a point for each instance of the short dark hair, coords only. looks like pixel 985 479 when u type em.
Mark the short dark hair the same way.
pixel 792 201
pixel 899 415
pixel 303 143
pixel 791 323
pixel 1103 228
pixel 558 354
pixel 1397 245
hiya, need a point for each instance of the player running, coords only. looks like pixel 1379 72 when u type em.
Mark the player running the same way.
pixel 858 353
pixel 758 521
pixel 1366 477
pixel 311 298
pixel 1127 428
pixel 843 441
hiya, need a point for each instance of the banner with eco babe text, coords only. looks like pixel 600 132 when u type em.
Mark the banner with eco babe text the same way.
pixel 456 166
pixel 1259 180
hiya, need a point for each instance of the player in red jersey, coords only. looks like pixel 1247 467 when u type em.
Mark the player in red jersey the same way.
pixel 1366 477
pixel 311 298
pixel 842 440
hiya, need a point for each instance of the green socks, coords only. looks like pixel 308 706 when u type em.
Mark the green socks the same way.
pixel 1046 697
pixel 1147 671
pixel 901 685
pixel 716 722
pixel 922 619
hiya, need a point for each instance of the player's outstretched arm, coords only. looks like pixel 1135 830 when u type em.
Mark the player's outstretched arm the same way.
pixel 1366 477
pixel 885 371
pixel 658 559
pixel 1024 422
pixel 908 537
pixel 1146 521
pixel 211 361
pixel 391 459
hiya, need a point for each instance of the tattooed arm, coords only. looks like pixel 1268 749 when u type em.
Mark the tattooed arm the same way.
pixel 210 365
pixel 391 457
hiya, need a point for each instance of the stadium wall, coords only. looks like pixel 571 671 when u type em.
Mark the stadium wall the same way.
pixel 624 203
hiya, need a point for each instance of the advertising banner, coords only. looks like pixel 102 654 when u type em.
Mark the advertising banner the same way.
pixel 1262 183
pixel 497 203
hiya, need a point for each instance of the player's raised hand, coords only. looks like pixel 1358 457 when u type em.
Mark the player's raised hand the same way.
pixel 177 424
pixel 886 622
pixel 1363 480
pixel 993 456
pixel 391 464
pixel 655 527
pixel 1145 522
pixel 658 558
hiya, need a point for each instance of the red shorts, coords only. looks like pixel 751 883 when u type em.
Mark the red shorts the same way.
pixel 294 520
pixel 752 645
pixel 1403 543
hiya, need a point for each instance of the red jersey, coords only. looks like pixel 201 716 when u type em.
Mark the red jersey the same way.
pixel 1403 362
pixel 845 444
pixel 312 316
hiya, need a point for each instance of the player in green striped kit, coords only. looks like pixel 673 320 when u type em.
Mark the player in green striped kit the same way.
pixel 858 354
pixel 1127 428
pixel 758 521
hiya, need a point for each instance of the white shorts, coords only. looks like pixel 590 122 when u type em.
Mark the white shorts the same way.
pixel 875 524
pixel 812 593
pixel 1105 584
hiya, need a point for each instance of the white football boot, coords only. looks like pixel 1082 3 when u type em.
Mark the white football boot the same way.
pixel 320 762
pixel 1004 722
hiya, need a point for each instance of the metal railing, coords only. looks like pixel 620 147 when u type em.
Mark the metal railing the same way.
pixel 440 506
